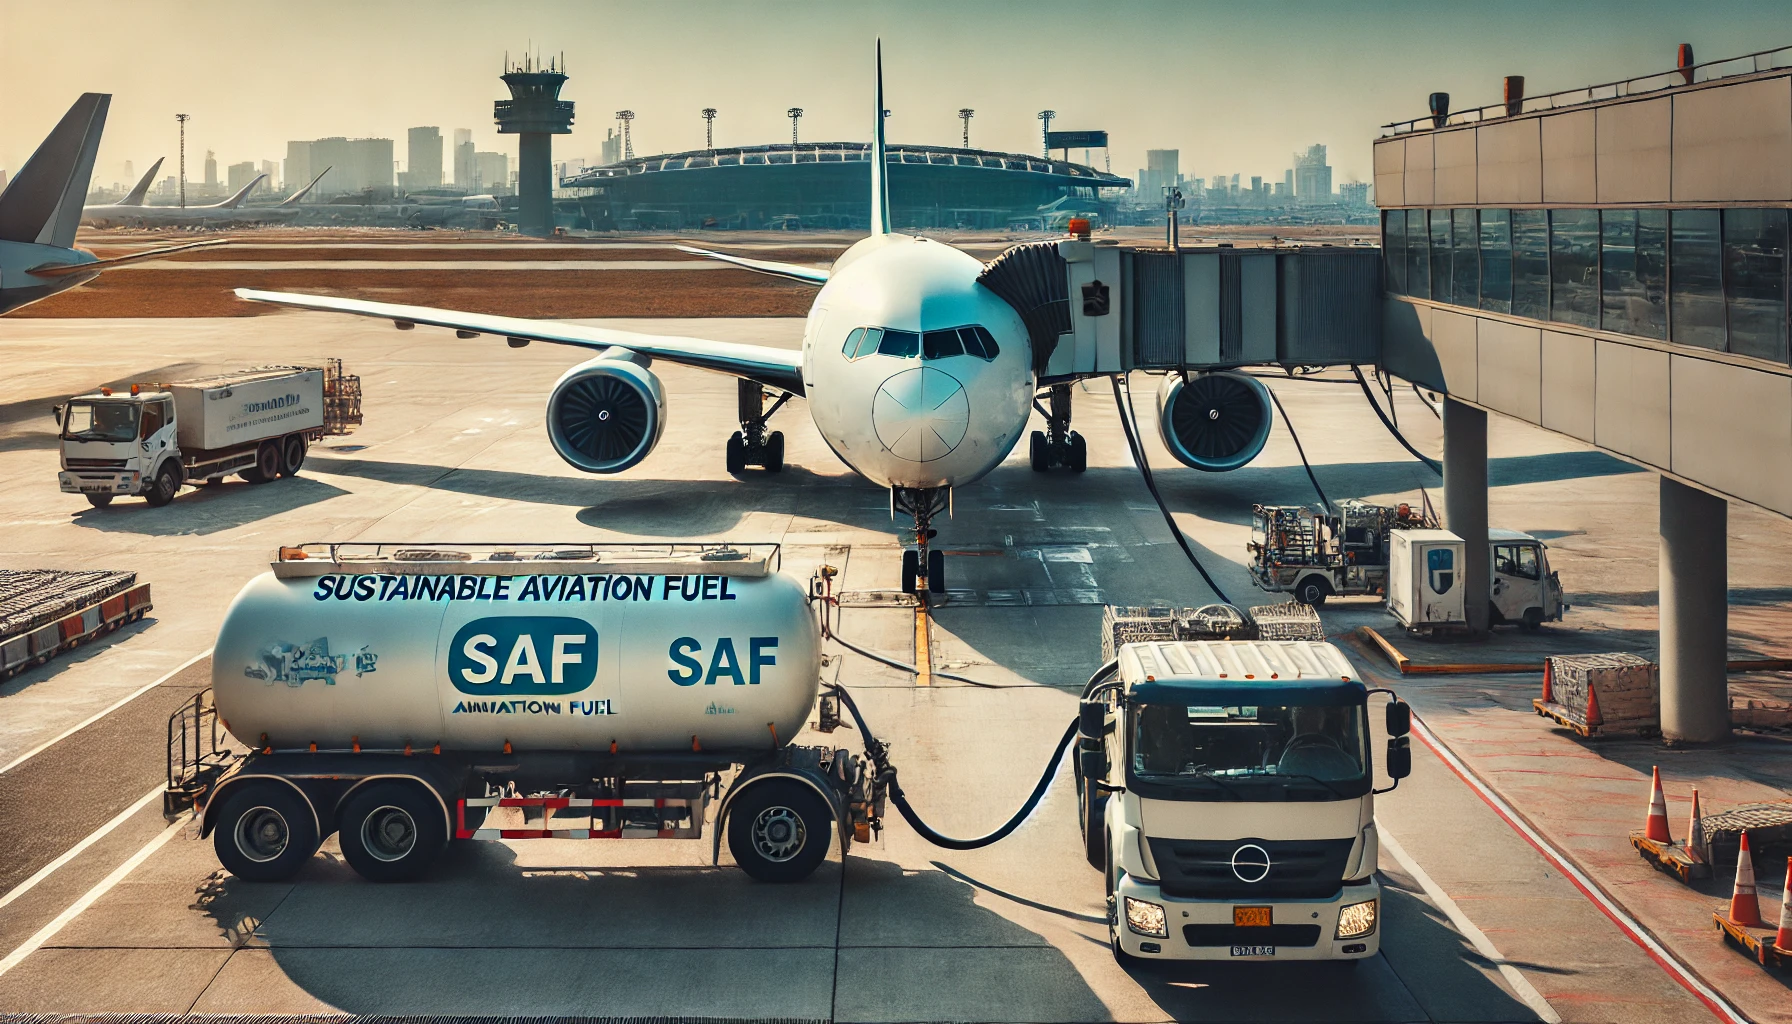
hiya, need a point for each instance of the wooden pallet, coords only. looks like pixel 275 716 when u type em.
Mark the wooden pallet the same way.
pixel 1670 857
pixel 1754 943
pixel 1571 719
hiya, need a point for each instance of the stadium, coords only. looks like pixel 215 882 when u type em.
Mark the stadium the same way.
pixel 825 186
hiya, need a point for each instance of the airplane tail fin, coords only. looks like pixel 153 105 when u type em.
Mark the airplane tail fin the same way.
pixel 293 200
pixel 43 204
pixel 231 203
pixel 135 198
pixel 880 172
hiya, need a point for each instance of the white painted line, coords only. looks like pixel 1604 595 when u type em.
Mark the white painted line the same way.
pixel 75 851
pixel 1521 986
pixel 1630 926
pixel 65 734
pixel 48 931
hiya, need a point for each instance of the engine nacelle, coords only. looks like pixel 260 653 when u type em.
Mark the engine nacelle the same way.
pixel 1214 422
pixel 605 415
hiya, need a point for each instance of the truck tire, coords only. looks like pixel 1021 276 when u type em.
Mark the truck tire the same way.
pixel 1312 591
pixel 392 831
pixel 164 487
pixel 99 500
pixel 292 454
pixel 265 831
pixel 778 830
pixel 267 463
pixel 1532 621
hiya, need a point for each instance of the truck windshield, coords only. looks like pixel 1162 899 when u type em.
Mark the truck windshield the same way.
pixel 1265 752
pixel 100 421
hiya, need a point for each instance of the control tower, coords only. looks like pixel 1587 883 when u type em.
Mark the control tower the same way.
pixel 534 111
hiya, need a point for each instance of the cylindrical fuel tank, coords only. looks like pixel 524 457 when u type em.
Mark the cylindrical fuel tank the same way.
pixel 544 662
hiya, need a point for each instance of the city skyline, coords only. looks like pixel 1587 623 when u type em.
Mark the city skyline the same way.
pixel 1195 80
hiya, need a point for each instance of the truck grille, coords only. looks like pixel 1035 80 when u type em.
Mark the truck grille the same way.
pixel 1293 936
pixel 96 463
pixel 1298 868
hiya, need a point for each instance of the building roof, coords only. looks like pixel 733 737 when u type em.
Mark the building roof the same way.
pixel 848 152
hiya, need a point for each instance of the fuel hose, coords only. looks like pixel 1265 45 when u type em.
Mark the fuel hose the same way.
pixel 886 773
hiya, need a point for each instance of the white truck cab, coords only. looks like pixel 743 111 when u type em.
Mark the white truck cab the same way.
pixel 1227 793
pixel 120 444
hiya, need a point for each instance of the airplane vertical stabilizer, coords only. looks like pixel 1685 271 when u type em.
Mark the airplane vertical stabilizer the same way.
pixel 135 198
pixel 231 203
pixel 293 200
pixel 880 171
pixel 43 203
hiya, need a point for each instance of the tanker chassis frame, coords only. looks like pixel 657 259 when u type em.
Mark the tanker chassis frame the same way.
pixel 268 811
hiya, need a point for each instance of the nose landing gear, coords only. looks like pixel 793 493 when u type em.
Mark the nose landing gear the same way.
pixel 751 445
pixel 1058 446
pixel 923 567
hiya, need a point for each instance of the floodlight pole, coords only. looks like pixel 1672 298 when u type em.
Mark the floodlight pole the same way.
pixel 182 118
pixel 628 145
pixel 965 114
pixel 1046 116
pixel 795 114
pixel 709 128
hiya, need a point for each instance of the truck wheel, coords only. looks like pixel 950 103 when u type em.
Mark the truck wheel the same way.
pixel 1532 621
pixel 265 832
pixel 164 488
pixel 392 832
pixel 99 500
pixel 778 830
pixel 1312 591
pixel 267 463
pixel 292 454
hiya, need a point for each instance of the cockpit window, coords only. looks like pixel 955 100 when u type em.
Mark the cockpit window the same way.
pixel 904 344
pixel 940 344
pixel 978 341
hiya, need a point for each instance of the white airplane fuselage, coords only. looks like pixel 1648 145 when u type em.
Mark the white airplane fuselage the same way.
pixel 922 420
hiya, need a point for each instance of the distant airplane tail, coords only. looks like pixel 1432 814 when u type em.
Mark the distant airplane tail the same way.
pixel 135 198
pixel 231 203
pixel 43 203
pixel 293 200
pixel 880 171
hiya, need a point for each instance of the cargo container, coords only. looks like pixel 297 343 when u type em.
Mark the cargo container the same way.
pixel 44 612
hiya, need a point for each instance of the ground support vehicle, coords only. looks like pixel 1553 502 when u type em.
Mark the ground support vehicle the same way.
pixel 1226 791
pixel 44 612
pixel 1314 554
pixel 257 423
pixel 406 697
pixel 1426 566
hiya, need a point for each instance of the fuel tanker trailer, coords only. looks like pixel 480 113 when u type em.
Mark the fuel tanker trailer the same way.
pixel 405 696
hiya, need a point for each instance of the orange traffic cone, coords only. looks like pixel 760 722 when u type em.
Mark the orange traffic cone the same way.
pixel 1745 908
pixel 1593 716
pixel 1657 827
pixel 1695 834
pixel 1782 940
pixel 1549 688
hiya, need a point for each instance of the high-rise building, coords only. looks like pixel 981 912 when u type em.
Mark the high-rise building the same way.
pixel 1288 181
pixel 211 171
pixel 424 158
pixel 612 148
pixel 463 158
pixel 239 175
pixel 273 173
pixel 491 172
pixel 298 165
pixel 357 164
pixel 1312 176
pixel 1354 193
pixel 1160 170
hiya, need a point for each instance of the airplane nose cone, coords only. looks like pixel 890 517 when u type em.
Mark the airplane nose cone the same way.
pixel 921 414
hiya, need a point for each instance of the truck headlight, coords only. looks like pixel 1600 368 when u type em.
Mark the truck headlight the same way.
pixel 1356 920
pixel 1146 918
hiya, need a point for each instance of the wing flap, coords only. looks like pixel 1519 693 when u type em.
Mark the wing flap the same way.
pixel 773 367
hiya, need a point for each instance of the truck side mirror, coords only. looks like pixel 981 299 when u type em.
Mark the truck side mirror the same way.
pixel 1399 718
pixel 1091 720
pixel 1399 758
pixel 56 414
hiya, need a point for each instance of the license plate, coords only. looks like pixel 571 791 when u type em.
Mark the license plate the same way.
pixel 1253 951
pixel 1251 917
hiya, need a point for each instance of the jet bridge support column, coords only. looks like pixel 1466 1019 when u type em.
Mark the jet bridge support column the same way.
pixel 1465 504
pixel 1695 614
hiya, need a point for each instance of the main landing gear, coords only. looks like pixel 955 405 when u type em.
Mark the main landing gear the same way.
pixel 923 567
pixel 1058 446
pixel 751 445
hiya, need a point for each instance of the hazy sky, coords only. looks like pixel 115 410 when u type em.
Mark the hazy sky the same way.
pixel 1235 86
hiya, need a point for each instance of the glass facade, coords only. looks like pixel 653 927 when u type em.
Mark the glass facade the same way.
pixel 1713 279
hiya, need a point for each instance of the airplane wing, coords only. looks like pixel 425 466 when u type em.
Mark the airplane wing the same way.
pixel 789 271
pixel 774 367
pixel 60 269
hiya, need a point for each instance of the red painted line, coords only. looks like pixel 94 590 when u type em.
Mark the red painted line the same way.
pixel 1632 928
pixel 463 833
pixel 524 833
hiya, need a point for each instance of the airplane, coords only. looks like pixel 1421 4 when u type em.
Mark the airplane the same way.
pixel 157 216
pixel 918 374
pixel 41 209
pixel 132 199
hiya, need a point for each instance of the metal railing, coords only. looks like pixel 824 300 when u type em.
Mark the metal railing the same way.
pixel 1710 71
pixel 197 753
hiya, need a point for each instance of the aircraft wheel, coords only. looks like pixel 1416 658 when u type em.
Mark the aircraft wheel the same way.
pixel 936 571
pixel 1039 452
pixel 1079 453
pixel 774 452
pixel 737 454
pixel 911 568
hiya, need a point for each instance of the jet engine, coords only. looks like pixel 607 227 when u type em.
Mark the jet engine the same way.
pixel 1214 422
pixel 605 415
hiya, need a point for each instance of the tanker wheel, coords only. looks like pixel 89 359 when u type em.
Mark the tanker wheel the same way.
pixel 778 830
pixel 267 463
pixel 265 832
pixel 392 831
pixel 292 454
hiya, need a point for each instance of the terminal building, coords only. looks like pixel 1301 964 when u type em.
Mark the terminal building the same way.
pixel 822 185
pixel 1610 264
